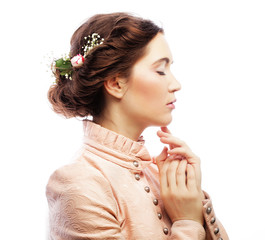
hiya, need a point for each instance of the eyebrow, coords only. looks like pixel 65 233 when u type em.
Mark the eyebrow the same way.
pixel 165 59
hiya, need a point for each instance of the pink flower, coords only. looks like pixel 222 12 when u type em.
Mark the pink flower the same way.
pixel 77 61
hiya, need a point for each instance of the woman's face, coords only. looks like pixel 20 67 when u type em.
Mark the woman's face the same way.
pixel 149 98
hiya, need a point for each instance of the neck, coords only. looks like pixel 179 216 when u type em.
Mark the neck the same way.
pixel 120 124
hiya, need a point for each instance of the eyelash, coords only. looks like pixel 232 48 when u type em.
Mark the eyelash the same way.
pixel 161 73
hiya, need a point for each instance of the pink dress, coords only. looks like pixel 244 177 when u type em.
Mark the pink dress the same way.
pixel 112 191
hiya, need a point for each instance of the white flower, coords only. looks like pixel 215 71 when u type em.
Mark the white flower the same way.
pixel 77 61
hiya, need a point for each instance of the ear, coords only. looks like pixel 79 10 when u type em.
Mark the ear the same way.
pixel 116 86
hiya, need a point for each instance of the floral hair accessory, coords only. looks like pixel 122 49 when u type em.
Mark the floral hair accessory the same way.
pixel 92 41
pixel 77 61
pixel 65 64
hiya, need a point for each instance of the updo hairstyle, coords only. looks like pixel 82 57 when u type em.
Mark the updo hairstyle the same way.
pixel 125 40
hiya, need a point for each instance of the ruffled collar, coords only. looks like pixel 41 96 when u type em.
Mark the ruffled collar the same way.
pixel 115 147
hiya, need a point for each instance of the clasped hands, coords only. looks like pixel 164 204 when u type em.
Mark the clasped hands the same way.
pixel 180 179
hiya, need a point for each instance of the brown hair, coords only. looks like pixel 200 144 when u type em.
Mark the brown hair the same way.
pixel 125 39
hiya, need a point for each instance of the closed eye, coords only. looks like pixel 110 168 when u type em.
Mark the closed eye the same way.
pixel 160 73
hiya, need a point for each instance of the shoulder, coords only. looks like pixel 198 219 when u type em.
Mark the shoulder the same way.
pixel 75 178
pixel 75 172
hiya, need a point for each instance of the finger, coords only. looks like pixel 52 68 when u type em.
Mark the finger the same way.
pixel 161 133
pixel 176 157
pixel 163 173
pixel 180 174
pixel 191 179
pixel 197 171
pixel 185 153
pixel 171 174
pixel 171 140
pixel 165 130
pixel 179 151
pixel 161 158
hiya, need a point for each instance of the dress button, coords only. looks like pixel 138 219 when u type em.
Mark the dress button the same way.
pixel 208 210
pixel 213 220
pixel 165 230
pixel 147 189
pixel 159 215
pixel 137 176
pixel 216 230
pixel 155 201
pixel 135 163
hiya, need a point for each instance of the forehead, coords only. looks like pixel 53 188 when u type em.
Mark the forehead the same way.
pixel 157 50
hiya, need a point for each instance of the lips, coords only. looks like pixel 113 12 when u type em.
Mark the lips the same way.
pixel 171 104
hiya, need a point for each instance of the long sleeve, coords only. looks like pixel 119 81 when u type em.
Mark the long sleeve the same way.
pixel 187 230
pixel 81 207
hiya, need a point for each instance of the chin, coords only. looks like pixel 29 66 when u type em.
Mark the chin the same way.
pixel 163 122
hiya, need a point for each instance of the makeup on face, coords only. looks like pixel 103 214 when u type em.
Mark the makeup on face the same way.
pixel 149 99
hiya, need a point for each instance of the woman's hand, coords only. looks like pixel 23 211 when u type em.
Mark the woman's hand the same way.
pixel 180 150
pixel 179 180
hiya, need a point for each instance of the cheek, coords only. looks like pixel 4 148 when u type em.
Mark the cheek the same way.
pixel 148 88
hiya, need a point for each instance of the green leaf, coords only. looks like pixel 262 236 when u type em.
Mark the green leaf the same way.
pixel 59 62
pixel 64 66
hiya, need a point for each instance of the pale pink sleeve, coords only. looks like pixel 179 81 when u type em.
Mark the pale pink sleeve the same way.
pixel 81 206
pixel 187 230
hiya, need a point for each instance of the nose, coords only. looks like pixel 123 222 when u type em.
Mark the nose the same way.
pixel 174 84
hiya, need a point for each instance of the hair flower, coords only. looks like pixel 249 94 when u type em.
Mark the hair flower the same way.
pixel 77 60
pixel 65 64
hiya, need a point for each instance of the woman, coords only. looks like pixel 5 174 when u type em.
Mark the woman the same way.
pixel 119 73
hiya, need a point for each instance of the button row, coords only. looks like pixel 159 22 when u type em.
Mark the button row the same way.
pixel 147 189
pixel 155 201
pixel 137 175
pixel 212 221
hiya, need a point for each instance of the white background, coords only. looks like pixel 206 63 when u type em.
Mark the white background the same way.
pixel 219 58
